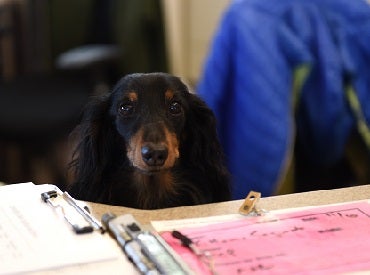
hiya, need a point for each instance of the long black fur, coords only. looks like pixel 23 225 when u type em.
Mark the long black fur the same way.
pixel 102 171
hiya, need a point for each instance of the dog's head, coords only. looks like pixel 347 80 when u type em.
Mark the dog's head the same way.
pixel 149 125
pixel 149 112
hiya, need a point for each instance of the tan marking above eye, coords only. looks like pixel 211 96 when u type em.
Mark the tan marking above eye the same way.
pixel 169 94
pixel 132 96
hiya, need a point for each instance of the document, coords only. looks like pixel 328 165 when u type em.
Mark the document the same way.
pixel 33 237
pixel 330 239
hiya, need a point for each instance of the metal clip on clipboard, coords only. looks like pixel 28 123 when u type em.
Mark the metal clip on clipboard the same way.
pixel 85 225
pixel 250 205
pixel 251 208
pixel 146 250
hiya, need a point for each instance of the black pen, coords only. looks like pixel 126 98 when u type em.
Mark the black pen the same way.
pixel 204 256
pixel 187 242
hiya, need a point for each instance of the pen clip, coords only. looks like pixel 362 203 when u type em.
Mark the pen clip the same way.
pixel 49 197
pixel 250 204
pixel 84 212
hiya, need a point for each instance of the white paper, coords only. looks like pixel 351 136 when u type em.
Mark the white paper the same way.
pixel 33 237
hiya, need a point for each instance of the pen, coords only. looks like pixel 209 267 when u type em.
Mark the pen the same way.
pixel 187 242
pixel 204 256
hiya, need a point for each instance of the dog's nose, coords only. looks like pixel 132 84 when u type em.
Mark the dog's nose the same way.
pixel 154 155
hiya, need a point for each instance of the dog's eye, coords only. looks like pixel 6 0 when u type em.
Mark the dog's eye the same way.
pixel 175 108
pixel 126 109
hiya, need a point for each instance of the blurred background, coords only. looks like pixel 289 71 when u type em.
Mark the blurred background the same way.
pixel 55 54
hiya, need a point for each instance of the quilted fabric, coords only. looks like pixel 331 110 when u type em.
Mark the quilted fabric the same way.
pixel 248 82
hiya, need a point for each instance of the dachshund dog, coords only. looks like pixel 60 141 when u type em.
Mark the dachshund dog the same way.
pixel 149 144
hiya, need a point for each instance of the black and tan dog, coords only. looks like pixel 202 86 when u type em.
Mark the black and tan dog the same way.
pixel 149 144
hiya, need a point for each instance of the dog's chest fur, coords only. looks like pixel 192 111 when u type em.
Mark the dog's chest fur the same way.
pixel 139 190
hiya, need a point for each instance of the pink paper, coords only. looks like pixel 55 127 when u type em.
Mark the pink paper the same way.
pixel 324 240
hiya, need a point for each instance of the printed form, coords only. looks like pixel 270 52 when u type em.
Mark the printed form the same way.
pixel 331 239
pixel 34 238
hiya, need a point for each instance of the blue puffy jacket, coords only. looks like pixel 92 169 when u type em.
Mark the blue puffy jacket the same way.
pixel 252 75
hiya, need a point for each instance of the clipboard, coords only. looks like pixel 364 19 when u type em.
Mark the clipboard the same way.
pixel 34 237
pixel 44 229
pixel 328 239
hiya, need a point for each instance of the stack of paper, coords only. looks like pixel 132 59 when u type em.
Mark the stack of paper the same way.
pixel 34 237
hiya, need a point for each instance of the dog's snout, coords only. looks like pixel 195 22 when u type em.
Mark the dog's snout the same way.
pixel 154 155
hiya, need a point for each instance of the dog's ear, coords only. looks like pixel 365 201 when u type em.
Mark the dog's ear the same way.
pixel 201 130
pixel 203 148
pixel 94 136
